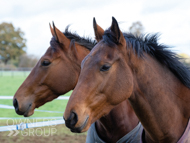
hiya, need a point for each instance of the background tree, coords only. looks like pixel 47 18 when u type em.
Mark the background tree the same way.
pixel 185 59
pixel 136 28
pixel 12 42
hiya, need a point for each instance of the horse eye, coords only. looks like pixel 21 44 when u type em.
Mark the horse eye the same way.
pixel 46 63
pixel 105 68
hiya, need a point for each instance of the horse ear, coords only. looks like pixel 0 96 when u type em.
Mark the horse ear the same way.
pixel 60 37
pixel 98 31
pixel 51 29
pixel 55 34
pixel 115 29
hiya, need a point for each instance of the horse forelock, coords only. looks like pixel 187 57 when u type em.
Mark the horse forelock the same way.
pixel 54 43
pixel 87 42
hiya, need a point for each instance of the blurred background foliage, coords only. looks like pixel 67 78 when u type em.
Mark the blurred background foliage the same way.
pixel 13 48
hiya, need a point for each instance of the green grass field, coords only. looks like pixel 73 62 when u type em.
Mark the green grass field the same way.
pixel 9 84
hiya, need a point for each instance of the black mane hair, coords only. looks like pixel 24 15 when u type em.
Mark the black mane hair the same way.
pixel 83 41
pixel 148 44
pixel 87 42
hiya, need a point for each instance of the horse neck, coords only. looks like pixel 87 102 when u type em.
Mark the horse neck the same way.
pixel 120 121
pixel 160 100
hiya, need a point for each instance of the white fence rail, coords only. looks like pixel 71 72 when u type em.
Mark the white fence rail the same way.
pixel 11 107
pixel 11 97
pixel 23 126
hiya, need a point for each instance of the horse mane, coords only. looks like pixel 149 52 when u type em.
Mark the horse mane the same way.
pixel 87 42
pixel 83 41
pixel 149 44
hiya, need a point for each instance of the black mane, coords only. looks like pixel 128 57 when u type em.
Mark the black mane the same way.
pixel 148 44
pixel 83 41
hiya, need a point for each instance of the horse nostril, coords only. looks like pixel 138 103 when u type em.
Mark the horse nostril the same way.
pixel 15 104
pixel 73 118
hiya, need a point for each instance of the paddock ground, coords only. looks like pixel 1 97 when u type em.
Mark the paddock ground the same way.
pixel 62 135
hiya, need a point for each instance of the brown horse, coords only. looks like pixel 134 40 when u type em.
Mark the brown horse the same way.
pixel 122 66
pixel 57 72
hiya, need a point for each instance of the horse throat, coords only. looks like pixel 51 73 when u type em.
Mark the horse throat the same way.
pixel 119 122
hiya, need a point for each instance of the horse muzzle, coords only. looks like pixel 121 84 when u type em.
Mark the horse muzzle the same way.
pixel 22 111
pixel 72 121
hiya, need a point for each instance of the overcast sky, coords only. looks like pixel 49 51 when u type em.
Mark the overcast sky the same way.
pixel 171 18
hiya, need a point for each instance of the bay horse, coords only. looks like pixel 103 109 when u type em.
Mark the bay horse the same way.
pixel 123 66
pixel 57 72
